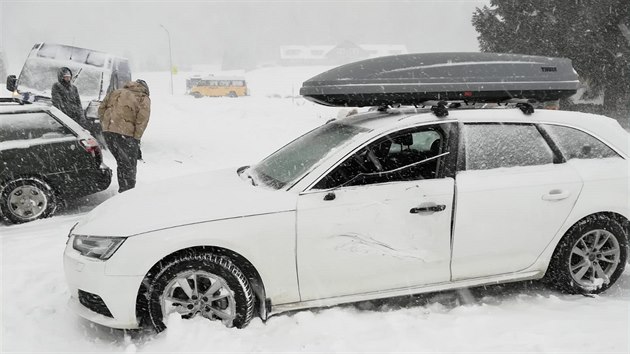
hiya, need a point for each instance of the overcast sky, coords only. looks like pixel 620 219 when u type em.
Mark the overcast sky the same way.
pixel 201 31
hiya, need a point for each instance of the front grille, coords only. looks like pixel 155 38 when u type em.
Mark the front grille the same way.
pixel 94 303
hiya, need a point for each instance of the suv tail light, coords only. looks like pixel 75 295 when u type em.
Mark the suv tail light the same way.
pixel 90 145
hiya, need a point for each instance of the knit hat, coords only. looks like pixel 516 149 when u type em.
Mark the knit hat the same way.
pixel 144 84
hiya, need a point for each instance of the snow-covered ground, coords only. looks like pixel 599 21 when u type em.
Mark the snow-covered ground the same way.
pixel 188 135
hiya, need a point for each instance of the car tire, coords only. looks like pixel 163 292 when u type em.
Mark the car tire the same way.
pixel 205 274
pixel 232 94
pixel 27 199
pixel 590 257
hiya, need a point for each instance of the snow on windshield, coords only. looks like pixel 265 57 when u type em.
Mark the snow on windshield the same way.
pixel 290 162
pixel 38 76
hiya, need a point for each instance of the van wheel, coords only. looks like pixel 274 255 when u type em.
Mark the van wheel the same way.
pixel 590 257
pixel 27 199
pixel 196 95
pixel 200 284
pixel 232 94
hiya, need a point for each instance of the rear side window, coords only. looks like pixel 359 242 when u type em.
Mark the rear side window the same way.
pixel 31 125
pixel 576 144
pixel 491 146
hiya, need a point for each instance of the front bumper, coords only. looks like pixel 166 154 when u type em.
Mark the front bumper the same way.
pixel 118 293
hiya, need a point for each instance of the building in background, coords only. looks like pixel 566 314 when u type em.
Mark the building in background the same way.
pixel 344 52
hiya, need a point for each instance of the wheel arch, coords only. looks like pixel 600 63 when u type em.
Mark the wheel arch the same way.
pixel 621 219
pixel 262 306
pixel 25 176
pixel 544 259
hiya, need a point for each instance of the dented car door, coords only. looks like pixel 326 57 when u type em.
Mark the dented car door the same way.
pixel 387 227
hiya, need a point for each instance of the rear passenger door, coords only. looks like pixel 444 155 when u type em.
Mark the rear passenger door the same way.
pixel 513 195
pixel 35 143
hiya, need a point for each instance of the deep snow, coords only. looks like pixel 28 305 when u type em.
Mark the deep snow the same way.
pixel 188 135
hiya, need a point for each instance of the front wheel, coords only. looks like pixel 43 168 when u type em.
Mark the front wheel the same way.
pixel 27 199
pixel 200 284
pixel 590 257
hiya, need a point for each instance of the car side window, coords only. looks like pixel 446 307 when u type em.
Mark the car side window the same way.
pixel 412 154
pixel 491 146
pixel 31 125
pixel 576 144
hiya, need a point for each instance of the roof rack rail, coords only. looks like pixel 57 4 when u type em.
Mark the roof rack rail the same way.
pixel 13 100
pixel 441 108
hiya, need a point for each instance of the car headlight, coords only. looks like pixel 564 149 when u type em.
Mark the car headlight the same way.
pixel 97 246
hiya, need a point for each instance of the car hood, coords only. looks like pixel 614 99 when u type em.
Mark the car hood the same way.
pixel 192 199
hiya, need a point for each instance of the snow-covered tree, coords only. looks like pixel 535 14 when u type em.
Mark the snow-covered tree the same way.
pixel 594 34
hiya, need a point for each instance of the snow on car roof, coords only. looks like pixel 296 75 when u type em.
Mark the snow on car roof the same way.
pixel 17 108
pixel 36 107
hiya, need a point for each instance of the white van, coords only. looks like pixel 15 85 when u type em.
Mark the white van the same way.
pixel 95 74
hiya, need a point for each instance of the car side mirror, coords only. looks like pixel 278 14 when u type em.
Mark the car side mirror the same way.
pixel 11 83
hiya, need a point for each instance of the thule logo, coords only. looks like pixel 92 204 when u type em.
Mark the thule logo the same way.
pixel 548 69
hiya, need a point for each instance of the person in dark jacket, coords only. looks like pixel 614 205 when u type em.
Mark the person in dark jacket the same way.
pixel 65 97
pixel 124 115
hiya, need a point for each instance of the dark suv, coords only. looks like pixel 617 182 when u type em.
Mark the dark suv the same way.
pixel 45 157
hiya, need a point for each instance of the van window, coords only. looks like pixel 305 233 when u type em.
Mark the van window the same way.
pixel 96 59
pixel 124 72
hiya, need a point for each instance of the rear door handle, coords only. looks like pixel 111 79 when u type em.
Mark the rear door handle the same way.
pixel 556 194
pixel 427 209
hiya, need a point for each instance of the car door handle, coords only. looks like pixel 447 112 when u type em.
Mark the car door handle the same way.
pixel 556 194
pixel 427 209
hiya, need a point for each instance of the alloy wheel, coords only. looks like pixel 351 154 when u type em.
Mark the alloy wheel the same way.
pixel 193 293
pixel 594 258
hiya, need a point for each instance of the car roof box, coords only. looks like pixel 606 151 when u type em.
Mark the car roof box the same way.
pixel 412 79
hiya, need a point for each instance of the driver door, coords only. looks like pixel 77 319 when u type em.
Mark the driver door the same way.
pixel 381 219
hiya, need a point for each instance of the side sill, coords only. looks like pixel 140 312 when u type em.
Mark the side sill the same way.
pixel 466 283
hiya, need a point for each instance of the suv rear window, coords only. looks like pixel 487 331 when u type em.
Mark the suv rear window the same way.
pixel 491 146
pixel 31 125
pixel 576 144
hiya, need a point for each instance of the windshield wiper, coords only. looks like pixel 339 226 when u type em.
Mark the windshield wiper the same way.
pixel 245 170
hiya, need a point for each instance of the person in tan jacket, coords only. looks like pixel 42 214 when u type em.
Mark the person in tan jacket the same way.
pixel 124 115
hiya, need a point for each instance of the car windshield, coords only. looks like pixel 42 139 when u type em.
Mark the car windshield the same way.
pixel 38 76
pixel 297 157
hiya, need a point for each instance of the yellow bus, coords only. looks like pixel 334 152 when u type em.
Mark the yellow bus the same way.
pixel 219 86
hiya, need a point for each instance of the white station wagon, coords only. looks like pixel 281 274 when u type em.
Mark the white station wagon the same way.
pixel 375 205
pixel 381 204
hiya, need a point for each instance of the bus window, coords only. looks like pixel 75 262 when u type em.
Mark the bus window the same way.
pixel 220 87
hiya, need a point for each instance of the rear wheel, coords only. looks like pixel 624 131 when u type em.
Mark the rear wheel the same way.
pixel 232 94
pixel 590 257
pixel 200 284
pixel 27 199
